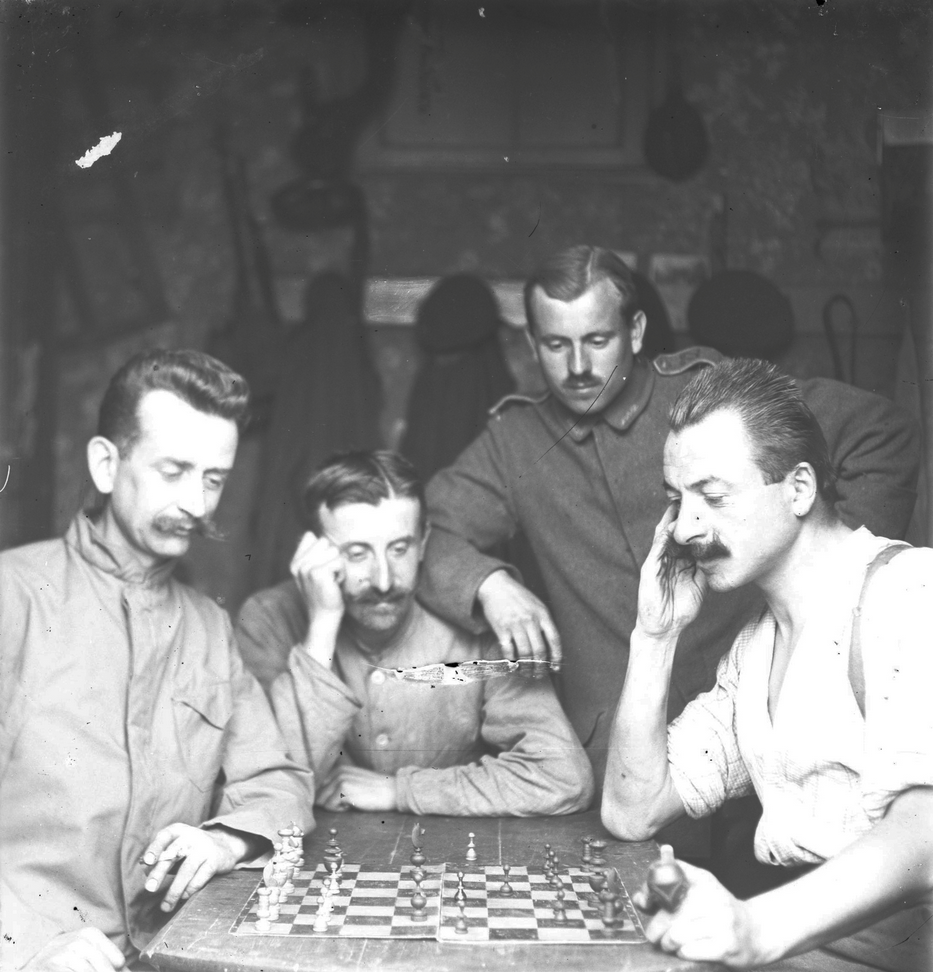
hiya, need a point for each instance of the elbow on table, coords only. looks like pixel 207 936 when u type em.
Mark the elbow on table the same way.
pixel 626 823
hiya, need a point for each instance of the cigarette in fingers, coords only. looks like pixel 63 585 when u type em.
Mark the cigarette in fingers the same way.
pixel 149 859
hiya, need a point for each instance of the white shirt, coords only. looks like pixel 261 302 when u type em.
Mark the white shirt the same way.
pixel 824 774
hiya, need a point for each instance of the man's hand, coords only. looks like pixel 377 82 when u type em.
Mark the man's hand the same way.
pixel 318 570
pixel 671 587
pixel 351 787
pixel 84 950
pixel 709 926
pixel 203 853
pixel 519 620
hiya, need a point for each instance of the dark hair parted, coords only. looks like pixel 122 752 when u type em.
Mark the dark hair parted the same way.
pixel 571 273
pixel 361 477
pixel 782 429
pixel 205 383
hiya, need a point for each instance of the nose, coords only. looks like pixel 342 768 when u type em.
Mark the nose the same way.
pixel 579 363
pixel 192 499
pixel 689 525
pixel 380 575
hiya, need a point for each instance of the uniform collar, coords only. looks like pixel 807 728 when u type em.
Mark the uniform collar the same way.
pixel 84 535
pixel 623 409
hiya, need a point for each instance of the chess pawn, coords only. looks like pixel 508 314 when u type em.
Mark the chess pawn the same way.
pixel 262 911
pixel 607 900
pixel 560 909
pixel 471 849
pixel 506 888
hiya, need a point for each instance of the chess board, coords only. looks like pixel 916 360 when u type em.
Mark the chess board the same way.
pixel 376 903
pixel 527 914
pixel 369 904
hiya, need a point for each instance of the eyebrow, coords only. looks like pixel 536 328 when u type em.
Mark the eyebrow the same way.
pixel 186 466
pixel 700 483
pixel 408 538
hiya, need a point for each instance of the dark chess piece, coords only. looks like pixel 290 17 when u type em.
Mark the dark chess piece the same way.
pixel 608 902
pixel 597 881
pixel 560 909
pixel 460 894
pixel 418 900
pixel 506 888
pixel 417 855
pixel 666 883
pixel 587 856
pixel 332 851
pixel 598 853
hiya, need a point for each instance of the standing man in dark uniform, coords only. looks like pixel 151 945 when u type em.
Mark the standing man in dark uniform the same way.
pixel 579 471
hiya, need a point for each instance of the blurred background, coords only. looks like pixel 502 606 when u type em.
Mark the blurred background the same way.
pixel 292 179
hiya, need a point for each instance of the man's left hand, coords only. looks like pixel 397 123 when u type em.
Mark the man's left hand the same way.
pixel 354 788
pixel 709 926
pixel 203 853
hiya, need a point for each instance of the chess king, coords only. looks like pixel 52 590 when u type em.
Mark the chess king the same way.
pixel 821 706
pixel 333 644
pixel 132 739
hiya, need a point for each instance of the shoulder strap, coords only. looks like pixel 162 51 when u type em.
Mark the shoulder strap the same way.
pixel 856 662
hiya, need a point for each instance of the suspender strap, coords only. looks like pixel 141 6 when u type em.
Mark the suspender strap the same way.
pixel 856 661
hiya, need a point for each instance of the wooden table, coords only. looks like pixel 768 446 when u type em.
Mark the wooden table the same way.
pixel 198 938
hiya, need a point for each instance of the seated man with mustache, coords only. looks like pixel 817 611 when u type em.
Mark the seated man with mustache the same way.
pixel 821 707
pixel 338 648
pixel 138 757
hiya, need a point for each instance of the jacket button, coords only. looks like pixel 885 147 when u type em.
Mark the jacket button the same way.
pixel 382 740
pixel 377 677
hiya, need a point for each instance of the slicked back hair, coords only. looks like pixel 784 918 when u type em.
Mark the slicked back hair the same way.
pixel 571 273
pixel 779 424
pixel 205 383
pixel 361 477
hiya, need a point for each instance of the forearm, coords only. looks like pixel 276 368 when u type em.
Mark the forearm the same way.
pixel 540 770
pixel 314 710
pixel 638 795
pixel 888 869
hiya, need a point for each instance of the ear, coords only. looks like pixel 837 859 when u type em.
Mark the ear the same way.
pixel 532 343
pixel 103 460
pixel 424 540
pixel 802 479
pixel 637 331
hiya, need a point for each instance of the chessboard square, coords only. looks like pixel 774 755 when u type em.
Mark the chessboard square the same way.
pixel 304 919
pixel 512 921
pixel 376 893
pixel 358 908
pixel 549 921
pixel 513 934
pixel 369 918
pixel 516 908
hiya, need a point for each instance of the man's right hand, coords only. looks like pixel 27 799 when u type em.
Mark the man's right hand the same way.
pixel 318 570
pixel 671 587
pixel 84 950
pixel 519 620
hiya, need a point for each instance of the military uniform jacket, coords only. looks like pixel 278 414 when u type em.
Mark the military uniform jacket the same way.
pixel 588 492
